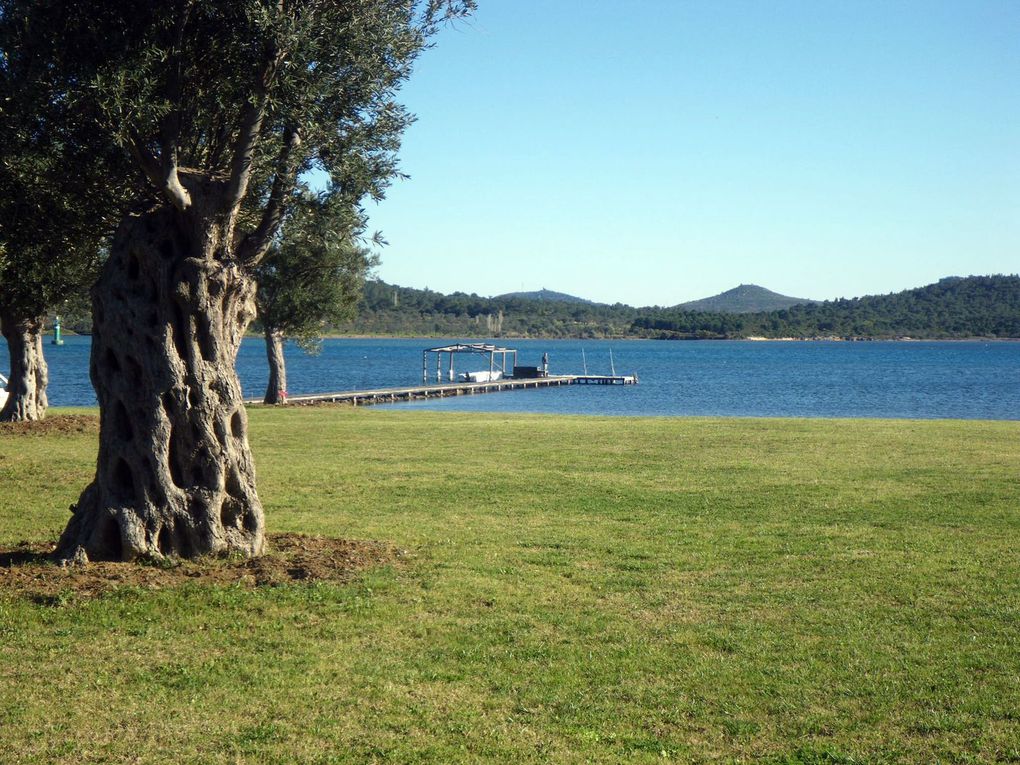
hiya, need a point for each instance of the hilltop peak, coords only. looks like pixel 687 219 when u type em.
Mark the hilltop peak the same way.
pixel 544 294
pixel 744 298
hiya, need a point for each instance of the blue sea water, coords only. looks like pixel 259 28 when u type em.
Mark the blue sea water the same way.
pixel 967 380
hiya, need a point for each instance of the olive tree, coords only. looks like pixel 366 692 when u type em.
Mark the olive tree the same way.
pixel 52 222
pixel 312 277
pixel 221 105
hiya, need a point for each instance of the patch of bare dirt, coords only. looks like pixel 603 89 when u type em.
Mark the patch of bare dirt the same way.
pixel 28 569
pixel 58 424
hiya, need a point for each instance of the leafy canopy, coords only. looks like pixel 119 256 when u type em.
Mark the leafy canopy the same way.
pixel 60 196
pixel 315 274
pixel 223 105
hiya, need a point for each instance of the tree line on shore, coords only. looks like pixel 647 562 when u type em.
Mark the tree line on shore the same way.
pixel 954 307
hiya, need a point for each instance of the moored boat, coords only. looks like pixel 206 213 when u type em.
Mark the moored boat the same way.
pixel 482 376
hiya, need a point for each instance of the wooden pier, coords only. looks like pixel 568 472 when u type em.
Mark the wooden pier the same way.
pixel 445 390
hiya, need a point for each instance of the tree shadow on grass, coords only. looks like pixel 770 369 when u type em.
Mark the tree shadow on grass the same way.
pixel 25 554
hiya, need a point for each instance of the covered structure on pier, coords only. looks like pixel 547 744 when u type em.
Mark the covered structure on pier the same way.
pixel 480 349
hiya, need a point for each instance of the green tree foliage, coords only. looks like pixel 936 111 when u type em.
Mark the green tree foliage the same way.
pixel 52 221
pixel 315 273
pixel 313 276
pixel 60 198
pixel 390 310
pixel 247 92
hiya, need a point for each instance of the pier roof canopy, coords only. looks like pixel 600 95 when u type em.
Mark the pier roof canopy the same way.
pixel 470 348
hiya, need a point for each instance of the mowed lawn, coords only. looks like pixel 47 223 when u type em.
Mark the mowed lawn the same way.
pixel 575 590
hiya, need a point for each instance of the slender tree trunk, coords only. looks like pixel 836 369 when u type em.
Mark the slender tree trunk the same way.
pixel 26 387
pixel 175 476
pixel 276 390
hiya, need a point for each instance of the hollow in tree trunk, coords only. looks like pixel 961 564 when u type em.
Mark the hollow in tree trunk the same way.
pixel 175 476
pixel 26 386
pixel 276 390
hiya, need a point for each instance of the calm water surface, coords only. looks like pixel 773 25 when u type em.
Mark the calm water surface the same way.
pixel 969 380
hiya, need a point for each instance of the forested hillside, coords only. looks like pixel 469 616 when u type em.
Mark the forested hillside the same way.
pixel 975 306
pixel 544 294
pixel 390 310
pixel 747 298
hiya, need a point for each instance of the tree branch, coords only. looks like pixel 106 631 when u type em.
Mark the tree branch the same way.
pixel 172 187
pixel 248 135
pixel 217 143
pixel 244 151
pixel 257 242
pixel 170 127
pixel 147 163
pixel 161 175
pixel 162 171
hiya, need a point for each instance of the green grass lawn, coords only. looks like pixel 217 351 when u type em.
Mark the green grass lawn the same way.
pixel 576 590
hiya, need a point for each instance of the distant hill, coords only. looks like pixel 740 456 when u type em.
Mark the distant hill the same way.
pixel 544 294
pixel 747 298
pixel 973 306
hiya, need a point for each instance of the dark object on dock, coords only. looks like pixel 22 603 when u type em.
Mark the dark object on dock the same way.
pixel 528 373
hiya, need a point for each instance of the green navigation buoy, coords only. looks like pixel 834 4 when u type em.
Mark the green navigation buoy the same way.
pixel 57 339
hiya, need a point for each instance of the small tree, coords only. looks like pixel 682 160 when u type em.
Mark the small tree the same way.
pixel 52 222
pixel 221 104
pixel 312 277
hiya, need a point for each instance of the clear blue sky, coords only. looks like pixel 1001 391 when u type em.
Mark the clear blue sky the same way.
pixel 657 151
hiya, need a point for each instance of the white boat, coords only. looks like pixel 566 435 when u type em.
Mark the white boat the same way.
pixel 3 391
pixel 483 376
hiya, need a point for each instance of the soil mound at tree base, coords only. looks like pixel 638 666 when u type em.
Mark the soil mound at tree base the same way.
pixel 63 424
pixel 28 570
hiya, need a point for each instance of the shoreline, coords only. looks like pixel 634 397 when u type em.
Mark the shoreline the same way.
pixel 682 340
pixel 749 339
pixel 93 411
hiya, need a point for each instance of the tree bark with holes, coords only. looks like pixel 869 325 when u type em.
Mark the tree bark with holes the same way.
pixel 276 388
pixel 26 387
pixel 175 475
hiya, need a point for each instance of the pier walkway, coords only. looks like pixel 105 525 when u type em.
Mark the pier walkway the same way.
pixel 444 390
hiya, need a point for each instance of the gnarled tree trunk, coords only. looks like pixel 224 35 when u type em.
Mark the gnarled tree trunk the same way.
pixel 276 390
pixel 26 386
pixel 175 476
